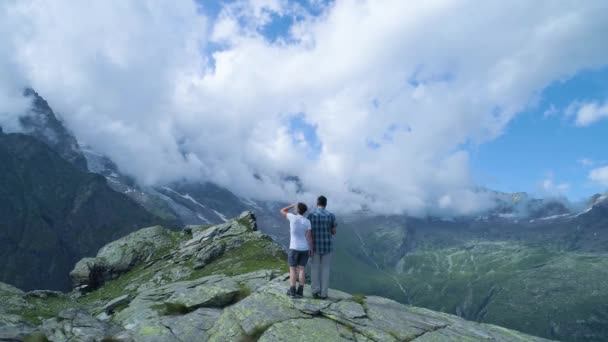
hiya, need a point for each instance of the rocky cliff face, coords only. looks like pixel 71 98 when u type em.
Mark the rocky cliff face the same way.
pixel 213 283
pixel 53 213
pixel 41 122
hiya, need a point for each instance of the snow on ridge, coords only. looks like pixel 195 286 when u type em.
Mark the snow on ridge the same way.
pixel 552 217
pixel 583 212
pixel 249 202
pixel 186 196
pixel 220 215
pixel 91 152
pixel 203 218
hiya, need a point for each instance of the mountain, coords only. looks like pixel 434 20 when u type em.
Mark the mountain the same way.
pixel 214 283
pixel 520 205
pixel 52 213
pixel 537 234
pixel 188 202
pixel 544 276
pixel 175 204
pixel 180 202
pixel 41 122
pixel 146 197
pixel 517 265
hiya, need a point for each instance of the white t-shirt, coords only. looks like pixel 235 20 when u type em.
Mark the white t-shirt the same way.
pixel 298 225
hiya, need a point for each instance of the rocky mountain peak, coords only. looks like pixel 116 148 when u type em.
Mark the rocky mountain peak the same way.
pixel 42 122
pixel 213 283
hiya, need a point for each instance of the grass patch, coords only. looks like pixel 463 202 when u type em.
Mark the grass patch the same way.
pixel 359 298
pixel 36 337
pixel 43 308
pixel 244 292
pixel 117 287
pixel 176 239
pixel 251 256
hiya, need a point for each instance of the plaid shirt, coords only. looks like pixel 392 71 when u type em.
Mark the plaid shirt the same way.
pixel 322 221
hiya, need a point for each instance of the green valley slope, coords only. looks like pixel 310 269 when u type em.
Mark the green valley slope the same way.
pixel 545 279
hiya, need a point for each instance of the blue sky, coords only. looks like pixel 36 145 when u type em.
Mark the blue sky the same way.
pixel 538 145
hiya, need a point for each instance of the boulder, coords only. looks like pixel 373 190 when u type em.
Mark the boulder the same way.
pixel 147 310
pixel 254 280
pixel 303 330
pixel 209 254
pixel 193 326
pixel 213 291
pixel 119 257
pixel 79 325
pixel 115 303
pixel 13 327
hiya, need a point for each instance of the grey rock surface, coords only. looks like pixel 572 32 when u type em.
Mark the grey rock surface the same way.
pixel 119 257
pixel 79 325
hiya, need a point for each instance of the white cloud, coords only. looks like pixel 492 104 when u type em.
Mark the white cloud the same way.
pixel 586 162
pixel 140 82
pixel 551 111
pixel 550 188
pixel 599 175
pixel 587 113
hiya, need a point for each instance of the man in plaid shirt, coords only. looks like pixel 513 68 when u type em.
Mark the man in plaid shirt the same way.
pixel 323 224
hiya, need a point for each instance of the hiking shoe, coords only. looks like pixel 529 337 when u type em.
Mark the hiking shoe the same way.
pixel 316 295
pixel 323 298
pixel 291 292
pixel 300 291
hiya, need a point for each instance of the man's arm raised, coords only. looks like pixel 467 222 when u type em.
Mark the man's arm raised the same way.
pixel 286 210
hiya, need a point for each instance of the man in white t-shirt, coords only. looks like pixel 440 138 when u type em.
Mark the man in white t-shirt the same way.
pixel 300 245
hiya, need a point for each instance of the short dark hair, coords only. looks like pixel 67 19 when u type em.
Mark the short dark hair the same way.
pixel 322 201
pixel 302 208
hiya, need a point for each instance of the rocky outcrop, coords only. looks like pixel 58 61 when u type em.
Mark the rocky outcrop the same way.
pixel 164 286
pixel 119 257
pixel 79 325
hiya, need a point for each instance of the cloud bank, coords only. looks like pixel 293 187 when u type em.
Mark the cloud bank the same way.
pixel 599 175
pixel 587 113
pixel 370 102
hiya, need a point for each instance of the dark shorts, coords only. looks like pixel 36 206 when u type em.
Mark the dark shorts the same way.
pixel 297 258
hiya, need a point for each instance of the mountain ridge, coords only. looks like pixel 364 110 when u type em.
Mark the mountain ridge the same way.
pixel 203 285
pixel 420 260
pixel 52 213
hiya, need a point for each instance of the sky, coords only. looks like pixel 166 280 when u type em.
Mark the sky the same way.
pixel 399 107
pixel 545 150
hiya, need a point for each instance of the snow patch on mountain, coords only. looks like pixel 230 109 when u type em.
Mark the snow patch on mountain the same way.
pixel 186 196
pixel 220 215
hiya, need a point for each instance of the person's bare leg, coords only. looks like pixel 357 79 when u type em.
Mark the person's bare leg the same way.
pixel 292 276
pixel 302 276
